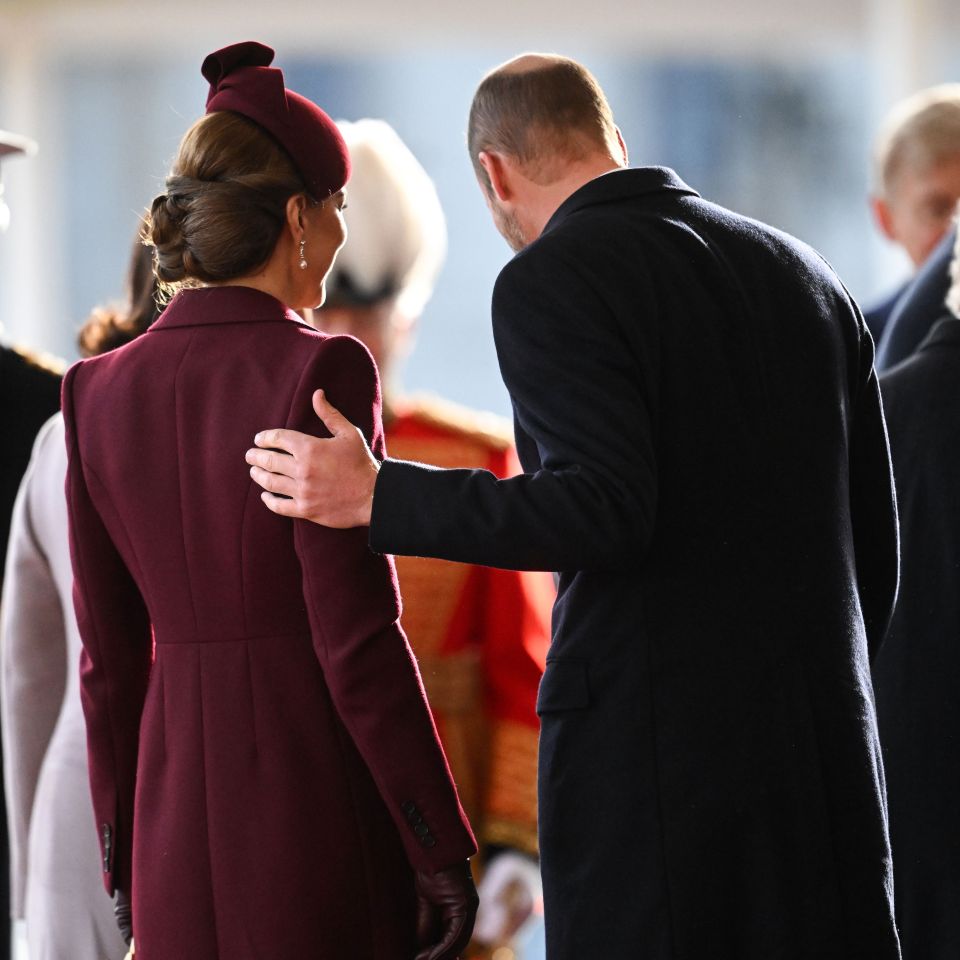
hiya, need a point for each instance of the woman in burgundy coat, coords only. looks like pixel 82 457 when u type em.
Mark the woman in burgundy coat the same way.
pixel 265 772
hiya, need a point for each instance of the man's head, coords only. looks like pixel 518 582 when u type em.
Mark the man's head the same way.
pixel 539 128
pixel 916 170
pixel 11 144
pixel 386 273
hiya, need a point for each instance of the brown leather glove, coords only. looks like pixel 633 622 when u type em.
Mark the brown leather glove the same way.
pixel 446 908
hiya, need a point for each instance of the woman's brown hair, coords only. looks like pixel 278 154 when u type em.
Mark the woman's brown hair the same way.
pixel 224 204
pixel 109 328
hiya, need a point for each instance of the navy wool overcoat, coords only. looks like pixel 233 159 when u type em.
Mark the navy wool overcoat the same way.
pixel 706 465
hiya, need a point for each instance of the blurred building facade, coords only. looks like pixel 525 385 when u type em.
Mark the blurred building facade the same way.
pixel 767 107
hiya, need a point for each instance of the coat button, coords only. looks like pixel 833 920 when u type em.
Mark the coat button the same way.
pixel 409 807
pixel 429 841
pixel 421 830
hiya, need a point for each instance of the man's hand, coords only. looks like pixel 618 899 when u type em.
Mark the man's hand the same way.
pixel 327 481
pixel 446 908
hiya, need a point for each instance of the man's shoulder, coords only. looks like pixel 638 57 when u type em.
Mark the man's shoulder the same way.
pixel 30 379
pixel 933 367
pixel 38 366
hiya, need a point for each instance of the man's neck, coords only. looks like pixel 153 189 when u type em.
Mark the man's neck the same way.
pixel 554 194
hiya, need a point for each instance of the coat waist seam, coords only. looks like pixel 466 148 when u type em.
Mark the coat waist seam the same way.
pixel 263 636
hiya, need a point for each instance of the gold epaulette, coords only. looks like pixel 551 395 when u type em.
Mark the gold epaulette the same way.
pixel 42 360
pixel 485 429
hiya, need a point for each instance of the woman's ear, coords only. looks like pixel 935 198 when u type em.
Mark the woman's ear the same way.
pixel 296 208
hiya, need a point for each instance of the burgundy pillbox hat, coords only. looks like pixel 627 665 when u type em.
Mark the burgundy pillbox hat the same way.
pixel 242 80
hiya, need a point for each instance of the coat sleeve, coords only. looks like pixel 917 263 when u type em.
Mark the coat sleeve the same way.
pixel 115 660
pixel 33 660
pixel 579 395
pixel 873 504
pixel 354 609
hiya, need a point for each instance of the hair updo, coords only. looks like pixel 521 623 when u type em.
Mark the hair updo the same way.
pixel 224 205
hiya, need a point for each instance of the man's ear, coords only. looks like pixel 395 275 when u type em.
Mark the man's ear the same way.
pixel 623 147
pixel 884 217
pixel 498 172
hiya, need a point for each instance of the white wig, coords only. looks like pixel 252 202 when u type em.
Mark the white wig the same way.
pixel 397 235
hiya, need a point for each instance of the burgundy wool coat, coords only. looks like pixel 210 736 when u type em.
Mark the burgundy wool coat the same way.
pixel 264 767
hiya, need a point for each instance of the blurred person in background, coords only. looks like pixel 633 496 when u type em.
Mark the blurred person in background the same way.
pixel 29 395
pixel 54 859
pixel 707 467
pixel 917 671
pixel 480 635
pixel 916 181
pixel 29 384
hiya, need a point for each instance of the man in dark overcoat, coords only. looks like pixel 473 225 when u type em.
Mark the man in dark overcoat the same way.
pixel 707 468
pixel 916 185
pixel 917 669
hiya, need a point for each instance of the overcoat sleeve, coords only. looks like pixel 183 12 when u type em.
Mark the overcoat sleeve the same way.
pixel 33 659
pixel 354 608
pixel 115 660
pixel 579 395
pixel 873 504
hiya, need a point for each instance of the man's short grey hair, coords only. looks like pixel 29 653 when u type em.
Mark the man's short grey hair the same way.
pixel 918 133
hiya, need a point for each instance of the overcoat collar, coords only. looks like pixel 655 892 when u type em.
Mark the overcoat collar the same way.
pixel 199 306
pixel 619 185
pixel 945 332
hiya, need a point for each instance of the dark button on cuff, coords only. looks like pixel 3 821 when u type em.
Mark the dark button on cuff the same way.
pixel 428 841
pixel 421 830
pixel 409 807
pixel 107 846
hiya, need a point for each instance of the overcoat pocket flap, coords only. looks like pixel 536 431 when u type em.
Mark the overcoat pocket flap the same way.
pixel 564 686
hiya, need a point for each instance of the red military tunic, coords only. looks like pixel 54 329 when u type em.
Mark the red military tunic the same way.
pixel 479 634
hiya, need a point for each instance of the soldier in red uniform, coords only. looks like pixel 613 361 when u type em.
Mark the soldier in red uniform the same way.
pixel 480 634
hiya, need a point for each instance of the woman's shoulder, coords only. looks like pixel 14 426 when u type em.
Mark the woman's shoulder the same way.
pixel 340 349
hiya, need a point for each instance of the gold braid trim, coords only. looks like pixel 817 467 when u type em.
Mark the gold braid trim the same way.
pixel 503 833
pixel 511 807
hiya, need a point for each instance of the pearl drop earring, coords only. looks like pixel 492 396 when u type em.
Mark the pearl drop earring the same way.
pixel 303 259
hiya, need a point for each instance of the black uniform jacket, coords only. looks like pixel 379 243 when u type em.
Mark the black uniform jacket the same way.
pixel 29 394
pixel 707 467
pixel 917 671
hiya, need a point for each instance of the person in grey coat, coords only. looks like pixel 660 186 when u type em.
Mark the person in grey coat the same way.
pixel 698 417
pixel 917 671
pixel 55 862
